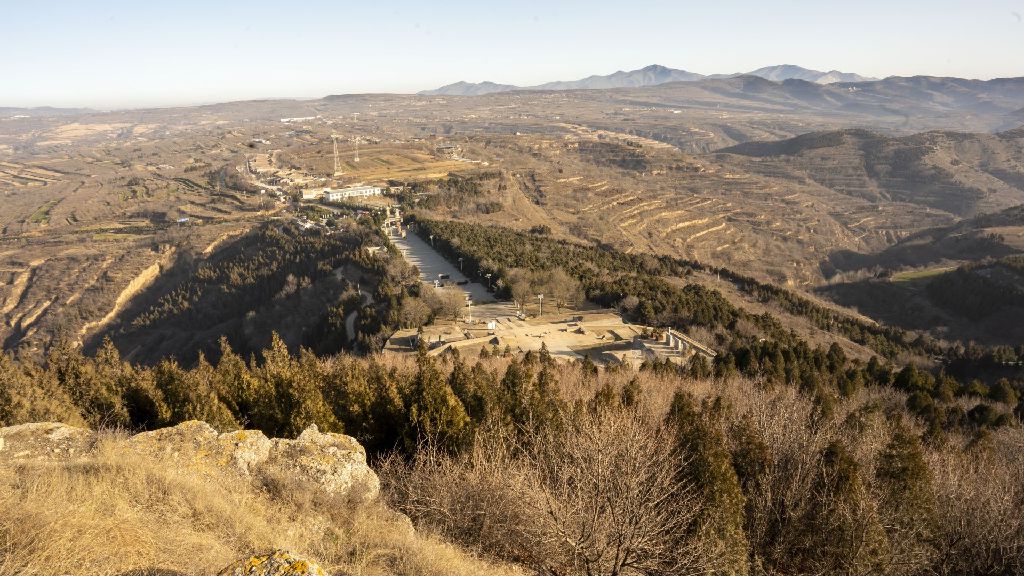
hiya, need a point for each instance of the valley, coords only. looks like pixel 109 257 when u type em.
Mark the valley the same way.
pixel 744 173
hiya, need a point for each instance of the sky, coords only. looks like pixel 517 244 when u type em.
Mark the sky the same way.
pixel 118 54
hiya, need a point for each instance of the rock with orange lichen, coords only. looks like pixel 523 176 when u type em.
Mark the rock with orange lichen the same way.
pixel 197 443
pixel 334 462
pixel 277 563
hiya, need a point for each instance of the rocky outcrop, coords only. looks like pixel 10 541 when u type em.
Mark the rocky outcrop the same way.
pixel 277 563
pixel 333 463
pixel 44 441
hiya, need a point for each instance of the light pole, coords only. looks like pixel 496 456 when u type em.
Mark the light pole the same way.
pixel 488 276
pixel 460 263
pixel 431 240
pixel 540 305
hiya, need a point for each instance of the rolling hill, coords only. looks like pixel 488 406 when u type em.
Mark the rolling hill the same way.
pixel 984 237
pixel 979 301
pixel 649 76
pixel 469 89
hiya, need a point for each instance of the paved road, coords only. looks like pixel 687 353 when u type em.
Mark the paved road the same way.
pixel 430 263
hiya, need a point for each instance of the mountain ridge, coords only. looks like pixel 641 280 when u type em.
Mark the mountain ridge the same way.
pixel 652 75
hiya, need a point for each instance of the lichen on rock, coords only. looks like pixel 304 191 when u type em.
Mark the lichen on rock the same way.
pixel 334 462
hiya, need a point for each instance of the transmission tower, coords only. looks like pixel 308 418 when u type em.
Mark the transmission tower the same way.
pixel 354 117
pixel 337 158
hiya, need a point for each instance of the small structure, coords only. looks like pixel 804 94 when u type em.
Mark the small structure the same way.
pixel 298 119
pixel 449 150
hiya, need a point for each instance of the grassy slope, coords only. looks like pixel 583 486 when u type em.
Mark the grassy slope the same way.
pixel 104 514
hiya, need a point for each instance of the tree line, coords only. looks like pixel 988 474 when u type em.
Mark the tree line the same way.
pixel 568 469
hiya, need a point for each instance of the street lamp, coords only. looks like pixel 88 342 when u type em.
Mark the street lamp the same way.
pixel 431 240
pixel 460 263
pixel 540 311
pixel 488 276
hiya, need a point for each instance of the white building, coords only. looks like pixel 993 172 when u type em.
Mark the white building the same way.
pixel 351 192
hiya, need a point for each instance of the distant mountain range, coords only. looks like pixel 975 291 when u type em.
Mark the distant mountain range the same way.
pixel 652 75
pixel 790 72
pixel 41 111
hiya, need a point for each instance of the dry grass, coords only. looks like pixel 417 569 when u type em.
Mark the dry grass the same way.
pixel 105 515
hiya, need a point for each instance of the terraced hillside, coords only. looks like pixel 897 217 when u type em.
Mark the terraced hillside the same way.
pixel 90 218
pixel 960 174
pixel 646 196
pixel 92 199
pixel 982 237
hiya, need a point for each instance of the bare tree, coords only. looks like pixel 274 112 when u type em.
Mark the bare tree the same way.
pixel 599 495
pixel 612 503
pixel 445 302
pixel 414 312
pixel 520 284
pixel 563 288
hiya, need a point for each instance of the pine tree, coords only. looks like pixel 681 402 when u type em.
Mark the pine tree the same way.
pixel 708 465
pixel 842 532
pixel 298 398
pixel 435 414
pixel 515 394
pixel 95 385
pixel 907 502
pixel 190 395
pixel 699 369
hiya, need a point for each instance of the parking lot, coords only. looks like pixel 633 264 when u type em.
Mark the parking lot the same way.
pixel 433 266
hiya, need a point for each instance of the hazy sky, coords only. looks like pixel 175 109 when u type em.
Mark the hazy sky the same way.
pixel 143 53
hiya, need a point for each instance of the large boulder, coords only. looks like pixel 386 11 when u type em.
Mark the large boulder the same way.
pixel 196 444
pixel 277 563
pixel 332 463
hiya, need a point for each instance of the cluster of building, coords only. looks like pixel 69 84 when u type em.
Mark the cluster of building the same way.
pixel 342 194
pixel 601 335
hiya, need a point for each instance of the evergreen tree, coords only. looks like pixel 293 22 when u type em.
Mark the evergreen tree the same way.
pixel 1003 392
pixel 28 393
pixel 296 392
pixel 435 414
pixel 190 395
pixel 95 385
pixel 699 369
pixel 708 465
pixel 842 532
pixel 907 502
